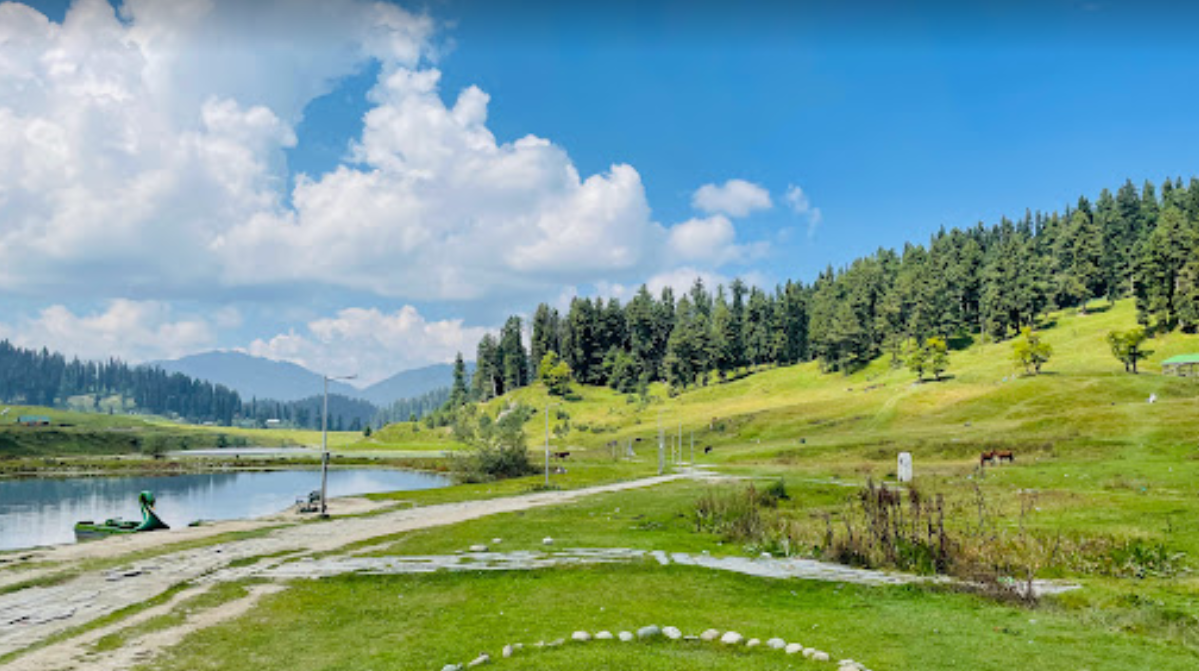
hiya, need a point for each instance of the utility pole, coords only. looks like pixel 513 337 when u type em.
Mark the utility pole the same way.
pixel 547 440
pixel 325 443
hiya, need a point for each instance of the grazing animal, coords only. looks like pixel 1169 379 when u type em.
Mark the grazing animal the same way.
pixel 1005 455
pixel 986 458
pixel 708 449
pixel 560 455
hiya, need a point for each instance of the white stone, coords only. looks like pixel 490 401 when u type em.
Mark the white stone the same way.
pixel 604 636
pixel 808 652
pixel 479 661
pixel 776 643
pixel 649 631
pixel 672 633
pixel 819 656
pixel 507 651
pixel 710 635
pixel 497 541
pixel 580 636
pixel 753 643
pixel 904 469
pixel 793 648
pixel 547 541
pixel 732 638
pixel 452 667
pixel 625 636
pixel 478 548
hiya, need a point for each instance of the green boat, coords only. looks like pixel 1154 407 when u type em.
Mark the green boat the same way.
pixel 89 530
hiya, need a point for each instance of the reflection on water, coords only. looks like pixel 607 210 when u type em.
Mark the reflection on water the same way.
pixel 43 511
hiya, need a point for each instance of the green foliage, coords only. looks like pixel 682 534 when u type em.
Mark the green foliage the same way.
pixel 930 357
pixel 555 373
pixel 1127 347
pixel 496 448
pixel 1030 352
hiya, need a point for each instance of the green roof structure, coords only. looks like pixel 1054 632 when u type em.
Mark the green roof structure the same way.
pixel 1183 364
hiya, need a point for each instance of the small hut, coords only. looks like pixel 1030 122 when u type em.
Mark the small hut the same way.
pixel 1183 365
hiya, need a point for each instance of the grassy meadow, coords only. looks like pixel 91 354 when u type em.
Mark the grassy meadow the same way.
pixel 1103 494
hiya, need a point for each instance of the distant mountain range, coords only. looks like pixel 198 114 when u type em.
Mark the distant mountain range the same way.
pixel 255 377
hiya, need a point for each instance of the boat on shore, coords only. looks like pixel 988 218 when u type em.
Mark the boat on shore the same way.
pixel 89 530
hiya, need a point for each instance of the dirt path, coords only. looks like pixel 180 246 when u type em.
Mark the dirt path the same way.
pixel 34 614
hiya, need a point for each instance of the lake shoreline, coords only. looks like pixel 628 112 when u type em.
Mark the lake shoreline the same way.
pixel 139 465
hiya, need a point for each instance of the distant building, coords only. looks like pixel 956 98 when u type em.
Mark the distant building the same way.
pixel 272 423
pixel 33 420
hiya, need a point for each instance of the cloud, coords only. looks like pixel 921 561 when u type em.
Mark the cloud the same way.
pixel 735 198
pixel 145 153
pixel 371 344
pixel 131 330
pixel 438 209
pixel 711 241
pixel 798 201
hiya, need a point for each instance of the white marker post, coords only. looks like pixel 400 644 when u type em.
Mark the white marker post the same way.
pixel 904 468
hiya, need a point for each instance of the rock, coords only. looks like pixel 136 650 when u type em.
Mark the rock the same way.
pixel 793 648
pixel 710 635
pixel 808 652
pixel 776 643
pixel 547 541
pixel 497 541
pixel 732 638
pixel 452 667
pixel 479 661
pixel 819 656
pixel 507 651
pixel 649 632
pixel 478 548
pixel 604 636
pixel 847 667
pixel 753 643
pixel 625 636
pixel 580 636
pixel 672 633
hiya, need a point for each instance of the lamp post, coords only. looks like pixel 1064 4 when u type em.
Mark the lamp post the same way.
pixel 547 440
pixel 661 445
pixel 325 443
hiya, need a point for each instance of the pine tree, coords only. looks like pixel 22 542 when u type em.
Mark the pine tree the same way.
pixel 458 392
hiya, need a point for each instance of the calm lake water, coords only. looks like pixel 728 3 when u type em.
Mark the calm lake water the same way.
pixel 43 511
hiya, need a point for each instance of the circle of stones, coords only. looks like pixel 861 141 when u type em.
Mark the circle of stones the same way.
pixel 653 632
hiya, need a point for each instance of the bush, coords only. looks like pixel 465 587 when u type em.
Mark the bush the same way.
pixel 496 447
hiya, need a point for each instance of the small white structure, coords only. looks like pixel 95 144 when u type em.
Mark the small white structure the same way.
pixel 904 469
pixel 1153 398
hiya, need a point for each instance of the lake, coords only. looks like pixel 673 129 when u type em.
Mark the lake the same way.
pixel 43 511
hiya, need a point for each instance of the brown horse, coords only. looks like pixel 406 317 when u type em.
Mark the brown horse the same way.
pixel 1007 455
pixel 986 458
pixel 560 455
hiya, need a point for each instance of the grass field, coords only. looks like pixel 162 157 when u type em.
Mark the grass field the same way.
pixel 1097 466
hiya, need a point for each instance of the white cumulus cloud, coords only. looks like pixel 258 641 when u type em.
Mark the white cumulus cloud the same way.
pixel 711 241
pixel 736 198
pixel 131 330
pixel 370 343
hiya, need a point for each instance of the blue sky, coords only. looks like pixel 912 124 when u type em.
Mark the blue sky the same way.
pixel 892 120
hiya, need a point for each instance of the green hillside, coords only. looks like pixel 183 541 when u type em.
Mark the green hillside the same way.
pixel 798 416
